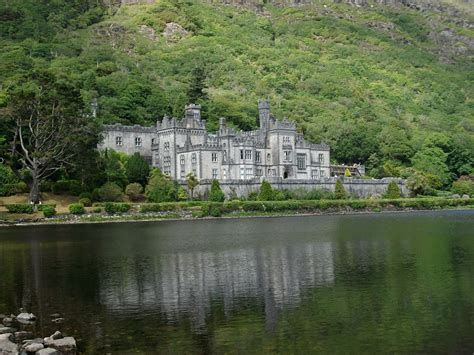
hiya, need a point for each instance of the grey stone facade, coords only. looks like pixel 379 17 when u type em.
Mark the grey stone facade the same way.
pixel 182 146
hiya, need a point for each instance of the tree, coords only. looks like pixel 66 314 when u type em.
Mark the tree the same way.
pixel 393 191
pixel 464 186
pixel 192 183
pixel 114 168
pixel 340 191
pixel 134 191
pixel 137 169
pixel 110 192
pixel 48 121
pixel 347 173
pixel 266 192
pixel 216 193
pixel 432 160
pixel 160 187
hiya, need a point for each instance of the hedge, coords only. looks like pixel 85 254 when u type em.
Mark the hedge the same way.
pixel 46 205
pixel 20 208
pixel 48 211
pixel 112 208
pixel 76 208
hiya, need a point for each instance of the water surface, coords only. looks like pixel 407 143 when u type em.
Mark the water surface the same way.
pixel 400 282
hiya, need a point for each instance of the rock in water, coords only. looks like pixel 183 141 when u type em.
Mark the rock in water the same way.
pixel 47 351
pixel 23 335
pixel 26 317
pixel 7 347
pixel 57 335
pixel 32 348
pixel 65 345
pixel 7 321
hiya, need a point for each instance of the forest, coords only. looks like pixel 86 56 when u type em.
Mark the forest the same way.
pixel 387 86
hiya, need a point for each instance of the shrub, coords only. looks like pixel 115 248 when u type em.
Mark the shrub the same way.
pixel 49 211
pixel 216 194
pixel 7 179
pixel 463 186
pixel 45 205
pixel 110 192
pixel 266 192
pixel 85 201
pixel 339 191
pixel 134 191
pixel 160 188
pixel 159 207
pixel 86 195
pixel 347 173
pixel 97 210
pixel 20 208
pixel 72 187
pixel 76 208
pixel 112 208
pixel 393 191
pixel 137 169
pixel 14 188
pixel 215 211
pixel 46 186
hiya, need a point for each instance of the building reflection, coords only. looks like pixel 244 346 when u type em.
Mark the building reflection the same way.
pixel 186 284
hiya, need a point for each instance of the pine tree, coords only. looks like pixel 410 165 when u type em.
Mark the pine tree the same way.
pixel 340 191
pixel 266 192
pixel 393 191
pixel 216 194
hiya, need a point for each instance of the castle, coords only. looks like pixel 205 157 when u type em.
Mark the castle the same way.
pixel 183 146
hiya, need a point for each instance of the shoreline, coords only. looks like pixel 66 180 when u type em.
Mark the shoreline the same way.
pixel 115 219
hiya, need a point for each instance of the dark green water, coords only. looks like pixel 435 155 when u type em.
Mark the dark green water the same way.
pixel 377 283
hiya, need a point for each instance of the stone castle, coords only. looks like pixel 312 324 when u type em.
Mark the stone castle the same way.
pixel 183 146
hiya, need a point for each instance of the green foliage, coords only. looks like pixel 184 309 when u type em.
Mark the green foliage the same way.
pixel 113 208
pixel 86 195
pixel 134 191
pixel 20 208
pixel 216 194
pixel 97 209
pixel 393 191
pixel 266 192
pixel 339 191
pixel 160 188
pixel 71 187
pixel 347 173
pixel 110 192
pixel 192 182
pixel 7 180
pixel 114 168
pixel 182 194
pixel 420 183
pixel 85 201
pixel 432 161
pixel 76 208
pixel 464 186
pixel 137 169
pixel 49 211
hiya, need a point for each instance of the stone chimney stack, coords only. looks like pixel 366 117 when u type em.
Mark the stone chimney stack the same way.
pixel 192 115
pixel 263 113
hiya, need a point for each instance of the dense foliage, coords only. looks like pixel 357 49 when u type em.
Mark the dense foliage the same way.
pixel 380 84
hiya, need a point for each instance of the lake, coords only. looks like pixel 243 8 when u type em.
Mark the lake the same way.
pixel 399 282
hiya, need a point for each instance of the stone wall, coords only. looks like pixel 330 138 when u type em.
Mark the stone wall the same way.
pixel 361 187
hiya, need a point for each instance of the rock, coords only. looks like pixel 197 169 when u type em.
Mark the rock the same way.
pixel 455 196
pixel 173 29
pixel 147 31
pixel 7 347
pixel 33 341
pixel 465 196
pixel 57 320
pixel 65 345
pixel 47 351
pixel 7 321
pixel 5 330
pixel 26 317
pixel 23 335
pixel 2 315
pixel 57 335
pixel 32 348
pixel 55 315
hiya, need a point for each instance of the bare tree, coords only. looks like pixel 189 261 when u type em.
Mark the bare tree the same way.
pixel 48 126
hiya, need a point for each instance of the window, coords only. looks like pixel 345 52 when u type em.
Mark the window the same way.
pixel 321 173
pixel 214 173
pixel 214 157
pixel 194 172
pixel 153 141
pixel 242 174
pixel 183 173
pixel 301 161
pixel 181 159
pixel 286 140
pixel 248 154
pixel 257 156
pixel 167 146
pixel 118 140
pixel 241 154
pixel 138 141
pixel 314 174
pixel 193 158
pixel 321 158
pixel 224 155
pixel 167 165
pixel 287 155
pixel 249 173
pixel 258 172
pixel 224 174
pixel 268 158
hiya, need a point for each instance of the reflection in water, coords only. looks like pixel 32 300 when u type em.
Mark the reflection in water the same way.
pixel 401 283
pixel 187 282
